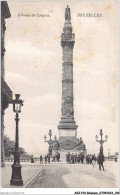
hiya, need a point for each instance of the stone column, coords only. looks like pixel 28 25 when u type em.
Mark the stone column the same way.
pixel 67 80
pixel 67 124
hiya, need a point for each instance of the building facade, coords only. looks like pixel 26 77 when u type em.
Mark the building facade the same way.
pixel 6 93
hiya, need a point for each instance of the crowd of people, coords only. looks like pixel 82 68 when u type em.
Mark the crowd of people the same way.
pixel 74 158
pixel 46 159
pixel 88 159
pixel 56 157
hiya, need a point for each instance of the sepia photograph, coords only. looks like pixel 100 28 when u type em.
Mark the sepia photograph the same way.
pixel 60 95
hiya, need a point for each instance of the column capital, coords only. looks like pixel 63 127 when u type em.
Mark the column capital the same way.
pixel 67 40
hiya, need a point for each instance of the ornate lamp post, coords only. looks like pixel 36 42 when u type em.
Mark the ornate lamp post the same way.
pixel 16 178
pixel 55 138
pixel 101 141
pixel 50 141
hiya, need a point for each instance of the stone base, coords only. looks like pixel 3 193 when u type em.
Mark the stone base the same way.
pixel 67 123
pixel 69 144
pixel 16 178
pixel 16 182
pixel 66 144
pixel 67 127
pixel 67 133
pixel 64 152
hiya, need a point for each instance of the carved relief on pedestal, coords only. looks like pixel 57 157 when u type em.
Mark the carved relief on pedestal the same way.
pixel 80 144
pixel 67 143
pixel 71 143
pixel 67 107
pixel 56 145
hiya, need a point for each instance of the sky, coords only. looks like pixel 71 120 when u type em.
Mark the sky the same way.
pixel 33 68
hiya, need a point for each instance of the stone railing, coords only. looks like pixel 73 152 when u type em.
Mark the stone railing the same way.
pixel 9 159
pixel 111 158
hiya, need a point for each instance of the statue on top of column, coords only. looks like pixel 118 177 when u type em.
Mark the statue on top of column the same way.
pixel 67 13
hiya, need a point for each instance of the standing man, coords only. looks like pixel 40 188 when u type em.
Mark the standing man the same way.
pixel 75 158
pixel 32 159
pixel 90 159
pixel 72 158
pixel 101 160
pixel 93 160
pixel 82 158
pixel 49 158
pixel 58 156
pixel 78 158
pixel 41 159
pixel 45 159
pixel 67 158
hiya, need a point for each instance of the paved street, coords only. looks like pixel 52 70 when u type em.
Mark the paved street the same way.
pixel 86 176
pixel 28 172
pixel 78 176
pixel 65 175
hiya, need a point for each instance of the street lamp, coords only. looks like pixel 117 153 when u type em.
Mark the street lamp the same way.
pixel 16 178
pixel 50 141
pixel 101 141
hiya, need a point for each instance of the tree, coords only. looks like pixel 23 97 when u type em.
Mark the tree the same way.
pixel 9 147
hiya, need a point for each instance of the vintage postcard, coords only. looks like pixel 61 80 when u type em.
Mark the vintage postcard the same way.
pixel 59 97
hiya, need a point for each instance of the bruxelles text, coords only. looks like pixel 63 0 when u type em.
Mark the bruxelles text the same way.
pixel 89 15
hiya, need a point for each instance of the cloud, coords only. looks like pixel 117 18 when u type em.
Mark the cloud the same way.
pixel 88 108
pixel 17 82
pixel 26 49
pixel 16 77
pixel 43 109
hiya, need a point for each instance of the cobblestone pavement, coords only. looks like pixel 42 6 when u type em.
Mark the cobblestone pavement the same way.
pixel 85 176
pixel 78 176
pixel 61 175
pixel 28 172
pixel 51 177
